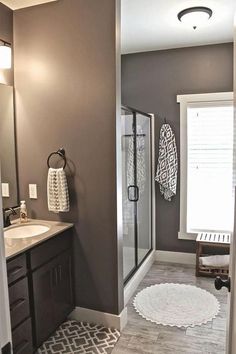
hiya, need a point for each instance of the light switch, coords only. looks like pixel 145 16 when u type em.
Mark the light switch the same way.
pixel 33 191
pixel 5 190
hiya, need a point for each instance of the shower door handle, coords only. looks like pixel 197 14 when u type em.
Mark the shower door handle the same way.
pixel 133 193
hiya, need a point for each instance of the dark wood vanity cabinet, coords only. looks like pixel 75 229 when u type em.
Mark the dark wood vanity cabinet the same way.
pixel 40 291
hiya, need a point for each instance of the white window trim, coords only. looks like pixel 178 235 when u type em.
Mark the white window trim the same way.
pixel 184 101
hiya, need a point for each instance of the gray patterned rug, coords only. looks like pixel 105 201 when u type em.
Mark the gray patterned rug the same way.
pixel 80 338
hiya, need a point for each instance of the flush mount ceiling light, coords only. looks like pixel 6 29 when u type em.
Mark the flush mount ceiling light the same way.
pixel 195 16
pixel 5 54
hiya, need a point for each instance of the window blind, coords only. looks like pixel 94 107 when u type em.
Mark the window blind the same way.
pixel 210 167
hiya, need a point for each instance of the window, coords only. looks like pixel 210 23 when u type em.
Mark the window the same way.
pixel 206 165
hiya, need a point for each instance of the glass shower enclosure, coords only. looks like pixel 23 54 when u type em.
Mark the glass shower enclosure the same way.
pixel 136 189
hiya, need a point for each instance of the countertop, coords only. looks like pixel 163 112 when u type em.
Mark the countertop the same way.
pixel 14 247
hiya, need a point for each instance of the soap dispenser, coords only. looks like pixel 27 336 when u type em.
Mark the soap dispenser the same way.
pixel 23 212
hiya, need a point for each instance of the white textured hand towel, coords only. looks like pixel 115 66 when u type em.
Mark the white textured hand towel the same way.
pixel 57 189
pixel 167 166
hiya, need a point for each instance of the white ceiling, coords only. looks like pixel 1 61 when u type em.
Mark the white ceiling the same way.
pixel 153 24
pixel 19 4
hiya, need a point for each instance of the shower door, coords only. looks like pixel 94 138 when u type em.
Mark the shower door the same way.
pixel 137 189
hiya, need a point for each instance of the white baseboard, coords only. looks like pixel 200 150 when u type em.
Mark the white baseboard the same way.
pixel 176 257
pixel 108 320
pixel 134 282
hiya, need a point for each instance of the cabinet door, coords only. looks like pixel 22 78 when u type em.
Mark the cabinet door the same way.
pixel 63 292
pixel 44 314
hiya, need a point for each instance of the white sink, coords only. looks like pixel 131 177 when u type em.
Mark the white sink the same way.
pixel 24 231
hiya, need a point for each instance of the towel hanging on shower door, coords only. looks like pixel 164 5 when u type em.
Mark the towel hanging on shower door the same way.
pixel 167 166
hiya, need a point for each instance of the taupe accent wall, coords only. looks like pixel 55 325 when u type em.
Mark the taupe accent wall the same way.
pixel 150 82
pixel 65 79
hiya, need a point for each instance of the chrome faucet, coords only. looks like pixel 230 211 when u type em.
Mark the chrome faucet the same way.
pixel 6 216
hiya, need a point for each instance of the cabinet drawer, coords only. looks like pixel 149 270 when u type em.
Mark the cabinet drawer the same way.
pixel 22 338
pixel 16 268
pixel 50 249
pixel 19 302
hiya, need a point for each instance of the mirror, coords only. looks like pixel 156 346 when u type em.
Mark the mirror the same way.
pixel 8 147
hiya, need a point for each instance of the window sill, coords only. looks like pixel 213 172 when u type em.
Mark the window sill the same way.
pixel 186 236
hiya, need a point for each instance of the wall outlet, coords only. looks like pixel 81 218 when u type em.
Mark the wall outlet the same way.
pixel 5 190
pixel 33 191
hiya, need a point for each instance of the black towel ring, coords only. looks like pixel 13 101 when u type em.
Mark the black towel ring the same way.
pixel 61 152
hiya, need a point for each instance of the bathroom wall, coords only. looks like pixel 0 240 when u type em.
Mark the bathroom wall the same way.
pixel 150 82
pixel 65 79
pixel 6 33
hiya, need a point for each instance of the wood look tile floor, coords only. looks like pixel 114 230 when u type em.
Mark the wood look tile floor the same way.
pixel 141 336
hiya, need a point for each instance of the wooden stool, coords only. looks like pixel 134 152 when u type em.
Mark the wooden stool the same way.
pixel 211 239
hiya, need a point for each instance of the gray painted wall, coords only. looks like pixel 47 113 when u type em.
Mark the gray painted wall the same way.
pixel 65 78
pixel 150 82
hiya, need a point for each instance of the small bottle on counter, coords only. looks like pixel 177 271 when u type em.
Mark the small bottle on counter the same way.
pixel 23 212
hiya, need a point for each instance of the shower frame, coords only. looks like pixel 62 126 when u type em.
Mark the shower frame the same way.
pixel 138 265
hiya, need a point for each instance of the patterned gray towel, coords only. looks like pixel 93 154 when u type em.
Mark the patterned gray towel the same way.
pixel 167 166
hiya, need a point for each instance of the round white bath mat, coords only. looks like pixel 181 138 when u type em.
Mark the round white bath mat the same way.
pixel 177 305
